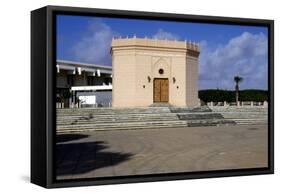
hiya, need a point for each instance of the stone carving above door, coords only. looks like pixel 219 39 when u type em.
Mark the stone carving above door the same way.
pixel 161 67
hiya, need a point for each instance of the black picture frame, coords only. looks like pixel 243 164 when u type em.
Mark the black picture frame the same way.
pixel 43 79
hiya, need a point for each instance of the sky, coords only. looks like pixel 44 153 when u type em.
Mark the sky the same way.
pixel 226 50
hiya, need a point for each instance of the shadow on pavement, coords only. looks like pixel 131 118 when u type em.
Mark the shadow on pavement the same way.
pixel 77 158
pixel 69 137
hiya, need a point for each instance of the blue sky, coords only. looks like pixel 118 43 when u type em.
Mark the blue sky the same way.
pixel 226 50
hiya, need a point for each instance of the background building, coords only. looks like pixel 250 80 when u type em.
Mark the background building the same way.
pixel 83 84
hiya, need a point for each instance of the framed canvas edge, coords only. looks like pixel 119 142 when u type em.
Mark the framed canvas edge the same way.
pixel 51 115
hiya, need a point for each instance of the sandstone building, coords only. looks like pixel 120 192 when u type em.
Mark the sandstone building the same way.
pixel 147 71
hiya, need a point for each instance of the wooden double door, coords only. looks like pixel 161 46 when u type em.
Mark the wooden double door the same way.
pixel 161 90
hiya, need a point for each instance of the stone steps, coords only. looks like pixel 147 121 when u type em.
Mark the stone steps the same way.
pixel 116 115
pixel 155 124
pixel 123 126
pixel 149 122
pixel 219 122
pixel 98 115
pixel 136 118
pixel 202 109
pixel 113 121
pixel 248 119
pixel 147 118
pixel 89 119
pixel 116 118
pixel 113 111
pixel 243 115
pixel 142 125
pixel 239 109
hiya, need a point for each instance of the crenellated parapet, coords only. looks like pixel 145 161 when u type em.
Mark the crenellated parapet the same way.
pixel 192 48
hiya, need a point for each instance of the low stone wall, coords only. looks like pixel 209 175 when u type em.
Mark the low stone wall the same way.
pixel 240 104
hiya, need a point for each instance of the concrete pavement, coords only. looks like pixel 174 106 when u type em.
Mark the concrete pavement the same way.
pixel 150 151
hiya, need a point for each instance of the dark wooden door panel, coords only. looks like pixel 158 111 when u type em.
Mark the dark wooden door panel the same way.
pixel 161 90
pixel 157 90
pixel 164 90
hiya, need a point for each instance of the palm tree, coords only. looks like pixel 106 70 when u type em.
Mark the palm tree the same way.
pixel 237 80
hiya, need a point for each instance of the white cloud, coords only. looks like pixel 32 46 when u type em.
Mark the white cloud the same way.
pixel 161 35
pixel 244 55
pixel 94 45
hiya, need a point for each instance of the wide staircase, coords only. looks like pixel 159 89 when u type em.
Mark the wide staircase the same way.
pixel 89 119
pixel 243 115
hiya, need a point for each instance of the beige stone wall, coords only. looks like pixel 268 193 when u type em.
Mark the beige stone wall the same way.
pixel 192 81
pixel 123 79
pixel 143 87
pixel 135 61
pixel 178 88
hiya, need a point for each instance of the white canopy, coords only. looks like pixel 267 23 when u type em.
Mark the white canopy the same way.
pixel 91 88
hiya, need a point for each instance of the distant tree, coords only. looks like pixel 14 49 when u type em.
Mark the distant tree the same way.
pixel 237 80
pixel 229 95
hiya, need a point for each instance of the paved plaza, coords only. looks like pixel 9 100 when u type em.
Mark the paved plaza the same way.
pixel 150 151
